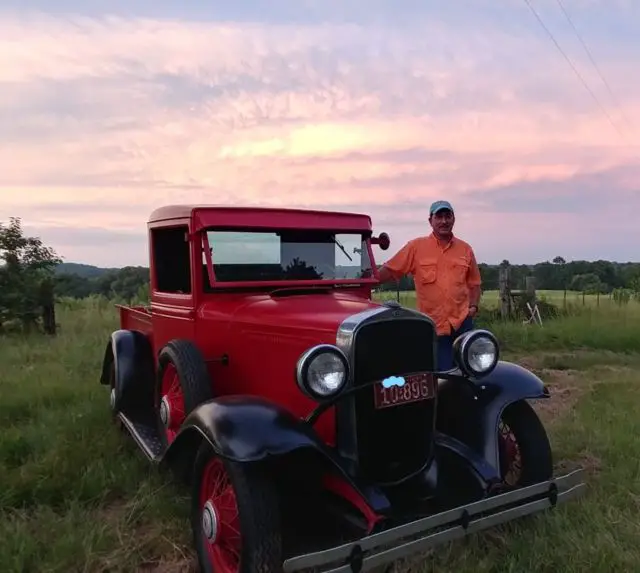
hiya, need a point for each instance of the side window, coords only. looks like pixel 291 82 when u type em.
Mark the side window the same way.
pixel 171 259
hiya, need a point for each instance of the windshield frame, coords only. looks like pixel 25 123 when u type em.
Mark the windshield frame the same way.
pixel 213 284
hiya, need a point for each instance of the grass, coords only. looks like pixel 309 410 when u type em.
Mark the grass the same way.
pixel 75 494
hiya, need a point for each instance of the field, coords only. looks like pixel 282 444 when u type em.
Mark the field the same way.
pixel 75 495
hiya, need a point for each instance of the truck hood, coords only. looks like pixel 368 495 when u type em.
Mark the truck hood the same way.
pixel 309 318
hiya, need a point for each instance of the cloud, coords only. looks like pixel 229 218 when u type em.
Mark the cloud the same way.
pixel 107 112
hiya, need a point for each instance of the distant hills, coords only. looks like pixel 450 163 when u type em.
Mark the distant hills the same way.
pixel 93 272
pixel 82 270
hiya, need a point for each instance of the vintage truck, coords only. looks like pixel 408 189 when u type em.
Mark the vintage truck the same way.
pixel 309 420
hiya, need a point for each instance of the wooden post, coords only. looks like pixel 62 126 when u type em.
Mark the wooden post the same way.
pixel 48 305
pixel 505 292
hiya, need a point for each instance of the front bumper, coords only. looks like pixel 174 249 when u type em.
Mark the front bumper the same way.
pixel 405 540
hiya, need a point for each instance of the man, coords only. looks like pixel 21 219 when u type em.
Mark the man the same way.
pixel 446 276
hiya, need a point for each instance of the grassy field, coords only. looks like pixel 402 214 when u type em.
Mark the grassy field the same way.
pixel 75 494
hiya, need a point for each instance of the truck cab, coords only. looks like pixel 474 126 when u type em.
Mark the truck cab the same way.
pixel 253 288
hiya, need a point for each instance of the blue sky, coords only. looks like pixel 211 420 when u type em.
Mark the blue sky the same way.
pixel 108 109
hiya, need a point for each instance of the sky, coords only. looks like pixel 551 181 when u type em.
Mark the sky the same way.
pixel 111 109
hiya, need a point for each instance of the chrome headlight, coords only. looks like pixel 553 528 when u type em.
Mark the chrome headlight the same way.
pixel 322 372
pixel 476 352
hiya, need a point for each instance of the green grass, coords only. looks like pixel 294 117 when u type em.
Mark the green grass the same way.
pixel 76 495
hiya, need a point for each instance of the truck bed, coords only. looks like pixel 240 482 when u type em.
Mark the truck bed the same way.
pixel 135 318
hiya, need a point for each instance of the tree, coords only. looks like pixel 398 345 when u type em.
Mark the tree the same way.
pixel 26 271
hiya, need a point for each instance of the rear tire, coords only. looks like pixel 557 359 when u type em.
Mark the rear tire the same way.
pixel 242 503
pixel 523 436
pixel 183 384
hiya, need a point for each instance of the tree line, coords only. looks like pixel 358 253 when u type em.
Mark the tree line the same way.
pixel 32 275
pixel 590 277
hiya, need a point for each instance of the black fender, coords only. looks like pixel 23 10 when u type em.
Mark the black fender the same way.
pixel 251 429
pixel 131 354
pixel 470 408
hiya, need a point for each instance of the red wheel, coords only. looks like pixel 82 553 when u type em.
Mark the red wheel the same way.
pixel 510 458
pixel 525 452
pixel 172 410
pixel 220 521
pixel 235 517
pixel 183 384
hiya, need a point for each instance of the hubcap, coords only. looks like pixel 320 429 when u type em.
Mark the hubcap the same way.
pixel 209 522
pixel 165 411
pixel 112 398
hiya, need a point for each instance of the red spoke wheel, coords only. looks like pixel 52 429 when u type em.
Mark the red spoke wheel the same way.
pixel 183 384
pixel 510 458
pixel 172 409
pixel 235 516
pixel 525 452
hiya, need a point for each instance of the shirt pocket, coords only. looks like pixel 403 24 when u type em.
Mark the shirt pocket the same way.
pixel 459 271
pixel 427 272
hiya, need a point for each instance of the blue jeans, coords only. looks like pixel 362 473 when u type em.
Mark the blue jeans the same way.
pixel 445 345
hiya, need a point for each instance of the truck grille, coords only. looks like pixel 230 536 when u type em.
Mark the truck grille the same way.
pixel 392 442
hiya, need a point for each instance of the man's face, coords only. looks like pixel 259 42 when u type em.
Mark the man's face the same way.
pixel 442 222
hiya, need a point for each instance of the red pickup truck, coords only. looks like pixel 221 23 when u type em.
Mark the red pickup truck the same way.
pixel 309 420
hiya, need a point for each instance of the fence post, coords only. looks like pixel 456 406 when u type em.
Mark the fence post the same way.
pixel 505 292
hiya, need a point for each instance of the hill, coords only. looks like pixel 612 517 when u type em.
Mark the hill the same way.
pixel 82 270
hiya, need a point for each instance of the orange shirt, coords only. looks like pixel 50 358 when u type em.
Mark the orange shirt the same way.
pixel 442 277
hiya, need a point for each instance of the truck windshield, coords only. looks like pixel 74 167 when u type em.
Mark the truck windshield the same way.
pixel 288 255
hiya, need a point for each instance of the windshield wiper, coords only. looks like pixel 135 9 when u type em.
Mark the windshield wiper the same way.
pixel 335 240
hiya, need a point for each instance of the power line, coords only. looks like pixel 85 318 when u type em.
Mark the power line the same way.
pixel 592 59
pixel 575 70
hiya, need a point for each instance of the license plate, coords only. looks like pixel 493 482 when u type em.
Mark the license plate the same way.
pixel 417 387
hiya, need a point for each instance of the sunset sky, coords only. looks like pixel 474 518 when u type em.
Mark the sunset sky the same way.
pixel 109 109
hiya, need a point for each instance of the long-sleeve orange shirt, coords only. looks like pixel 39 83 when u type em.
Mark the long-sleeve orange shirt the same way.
pixel 443 276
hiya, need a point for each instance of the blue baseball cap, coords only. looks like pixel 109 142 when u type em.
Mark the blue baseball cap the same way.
pixel 438 206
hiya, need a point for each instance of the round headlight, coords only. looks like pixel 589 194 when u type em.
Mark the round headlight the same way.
pixel 477 352
pixel 322 372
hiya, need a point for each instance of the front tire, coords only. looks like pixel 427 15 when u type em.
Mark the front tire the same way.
pixel 235 517
pixel 183 383
pixel 525 452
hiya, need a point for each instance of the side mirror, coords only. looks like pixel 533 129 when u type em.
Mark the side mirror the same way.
pixel 382 240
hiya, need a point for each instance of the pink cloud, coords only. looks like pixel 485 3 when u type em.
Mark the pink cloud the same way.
pixel 104 119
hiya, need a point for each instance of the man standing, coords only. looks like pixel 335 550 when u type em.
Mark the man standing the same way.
pixel 446 277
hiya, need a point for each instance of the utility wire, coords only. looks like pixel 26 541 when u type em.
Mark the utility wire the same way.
pixel 575 70
pixel 592 59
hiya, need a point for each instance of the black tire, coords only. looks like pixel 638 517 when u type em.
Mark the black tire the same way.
pixel 193 375
pixel 531 438
pixel 258 513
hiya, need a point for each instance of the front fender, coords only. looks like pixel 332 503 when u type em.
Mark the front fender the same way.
pixel 507 383
pixel 248 429
pixel 251 429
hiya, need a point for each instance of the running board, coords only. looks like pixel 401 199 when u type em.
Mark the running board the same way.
pixel 389 546
pixel 146 436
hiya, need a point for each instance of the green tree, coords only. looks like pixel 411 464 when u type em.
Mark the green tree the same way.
pixel 26 270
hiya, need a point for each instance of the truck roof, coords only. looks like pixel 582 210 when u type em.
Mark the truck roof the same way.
pixel 211 215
